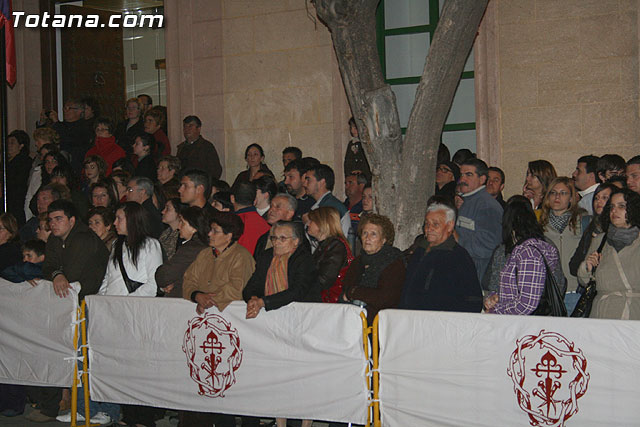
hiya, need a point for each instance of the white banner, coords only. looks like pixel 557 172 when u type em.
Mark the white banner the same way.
pixel 455 369
pixel 300 361
pixel 36 334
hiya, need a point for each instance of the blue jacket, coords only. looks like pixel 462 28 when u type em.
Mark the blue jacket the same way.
pixel 19 273
pixel 479 227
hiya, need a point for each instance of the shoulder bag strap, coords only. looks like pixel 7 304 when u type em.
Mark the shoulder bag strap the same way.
pixel 127 281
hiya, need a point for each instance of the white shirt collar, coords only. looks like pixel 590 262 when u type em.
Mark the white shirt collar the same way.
pixel 588 190
pixel 471 193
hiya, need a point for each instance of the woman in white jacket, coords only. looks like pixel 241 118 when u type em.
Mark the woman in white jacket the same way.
pixel 135 255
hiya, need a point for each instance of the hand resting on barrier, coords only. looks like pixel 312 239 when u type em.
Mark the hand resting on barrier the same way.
pixel 253 307
pixel 204 301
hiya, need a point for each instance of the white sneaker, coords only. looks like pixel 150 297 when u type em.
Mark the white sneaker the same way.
pixel 101 418
pixel 66 418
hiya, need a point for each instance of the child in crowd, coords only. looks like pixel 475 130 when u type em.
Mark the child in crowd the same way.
pixel 31 267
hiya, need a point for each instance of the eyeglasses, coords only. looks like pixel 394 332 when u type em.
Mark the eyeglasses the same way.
pixel 443 169
pixel 131 189
pixel 280 239
pixel 554 193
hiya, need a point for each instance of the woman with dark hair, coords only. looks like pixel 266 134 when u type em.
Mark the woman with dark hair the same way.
pixel 94 169
pixel 171 216
pixel 104 144
pixel 103 193
pixel 10 250
pixel 135 255
pixel 333 255
pixel 194 230
pixel 18 167
pixel 221 200
pixel 63 175
pixel 143 149
pixel 563 222
pixel 154 119
pixel 377 275
pixel 101 222
pixel 522 279
pixel 254 155
pixel 540 173
pixel 121 179
pixel 616 269
pixel 600 198
pixel 50 160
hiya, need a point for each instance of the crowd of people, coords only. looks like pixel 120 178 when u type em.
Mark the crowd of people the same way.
pixel 116 212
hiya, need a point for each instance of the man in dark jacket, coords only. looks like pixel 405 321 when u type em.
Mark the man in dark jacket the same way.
pixel 74 253
pixel 195 152
pixel 441 274
pixel 75 133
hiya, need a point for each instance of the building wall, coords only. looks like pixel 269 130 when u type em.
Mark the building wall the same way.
pixel 567 81
pixel 257 72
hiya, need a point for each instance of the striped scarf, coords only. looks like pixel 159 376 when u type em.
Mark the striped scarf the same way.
pixel 277 275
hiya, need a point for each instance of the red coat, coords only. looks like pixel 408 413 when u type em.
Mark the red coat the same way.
pixel 108 150
pixel 161 137
pixel 254 227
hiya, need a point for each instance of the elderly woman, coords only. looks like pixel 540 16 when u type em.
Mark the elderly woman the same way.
pixel 194 229
pixel 441 274
pixel 284 273
pixel 168 168
pixel 376 276
pixel 522 279
pixel 101 222
pixel 333 255
pixel 131 127
pixel 154 119
pixel 616 269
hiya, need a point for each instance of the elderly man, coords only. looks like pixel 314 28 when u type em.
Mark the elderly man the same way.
pixel 441 274
pixel 75 133
pixel 283 208
pixel 140 190
pixel 195 152
pixel 479 224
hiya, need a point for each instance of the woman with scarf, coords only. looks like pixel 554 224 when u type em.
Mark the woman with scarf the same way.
pixel 105 144
pixel 616 268
pixel 563 222
pixel 376 276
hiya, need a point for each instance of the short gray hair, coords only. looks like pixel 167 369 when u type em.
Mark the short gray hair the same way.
pixel 296 230
pixel 144 183
pixel 293 203
pixel 449 213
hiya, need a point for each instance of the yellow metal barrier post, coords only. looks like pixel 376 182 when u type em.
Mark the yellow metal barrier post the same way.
pixel 366 330
pixel 82 324
pixel 376 373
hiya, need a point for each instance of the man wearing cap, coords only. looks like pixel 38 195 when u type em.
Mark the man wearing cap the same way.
pixel 447 176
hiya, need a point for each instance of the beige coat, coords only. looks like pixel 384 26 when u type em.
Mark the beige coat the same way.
pixel 224 276
pixel 566 242
pixel 614 299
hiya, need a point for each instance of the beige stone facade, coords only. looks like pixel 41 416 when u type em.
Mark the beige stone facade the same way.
pixel 555 79
pixel 566 80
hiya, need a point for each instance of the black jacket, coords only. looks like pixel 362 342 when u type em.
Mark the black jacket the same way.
pixel 330 257
pixel 301 275
pixel 82 257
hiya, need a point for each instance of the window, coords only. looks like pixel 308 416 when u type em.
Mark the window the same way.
pixel 405 29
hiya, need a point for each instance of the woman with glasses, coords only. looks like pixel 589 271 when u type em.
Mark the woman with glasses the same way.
pixel 563 222
pixel 616 269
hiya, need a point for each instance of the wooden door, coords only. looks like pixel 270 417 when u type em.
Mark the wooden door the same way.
pixel 93 64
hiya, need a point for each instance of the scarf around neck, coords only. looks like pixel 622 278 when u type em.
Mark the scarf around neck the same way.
pixel 559 223
pixel 277 275
pixel 620 238
pixel 373 265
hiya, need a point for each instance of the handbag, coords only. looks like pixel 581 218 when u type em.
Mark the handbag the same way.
pixel 583 307
pixel 131 285
pixel 551 301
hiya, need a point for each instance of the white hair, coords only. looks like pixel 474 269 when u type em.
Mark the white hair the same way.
pixel 449 213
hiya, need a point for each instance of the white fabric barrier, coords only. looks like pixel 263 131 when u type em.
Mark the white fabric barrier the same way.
pixel 455 369
pixel 300 361
pixel 36 334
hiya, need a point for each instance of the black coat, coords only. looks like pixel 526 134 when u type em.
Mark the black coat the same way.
pixel 17 180
pixel 147 168
pixel 330 257
pixel 301 275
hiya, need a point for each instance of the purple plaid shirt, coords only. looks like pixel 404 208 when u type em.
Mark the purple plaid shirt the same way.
pixel 522 277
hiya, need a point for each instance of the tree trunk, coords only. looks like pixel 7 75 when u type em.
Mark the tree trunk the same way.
pixel 403 172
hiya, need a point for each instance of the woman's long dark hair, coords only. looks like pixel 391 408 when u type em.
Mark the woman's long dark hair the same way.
pixel 519 223
pixel 60 159
pixel 138 230
pixel 198 219
pixel 633 208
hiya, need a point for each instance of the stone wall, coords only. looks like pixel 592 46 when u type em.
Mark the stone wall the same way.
pixel 568 82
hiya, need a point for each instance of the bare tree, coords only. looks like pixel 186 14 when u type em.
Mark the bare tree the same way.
pixel 403 171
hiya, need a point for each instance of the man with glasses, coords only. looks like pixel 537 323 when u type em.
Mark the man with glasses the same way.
pixel 479 224
pixel 447 176
pixel 140 190
pixel 75 134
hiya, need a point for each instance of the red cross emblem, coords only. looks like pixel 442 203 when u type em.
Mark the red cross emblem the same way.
pixel 212 347
pixel 549 376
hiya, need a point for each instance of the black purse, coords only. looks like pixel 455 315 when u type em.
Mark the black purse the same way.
pixel 552 300
pixel 131 285
pixel 583 307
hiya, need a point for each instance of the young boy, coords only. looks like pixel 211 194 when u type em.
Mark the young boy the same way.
pixel 31 268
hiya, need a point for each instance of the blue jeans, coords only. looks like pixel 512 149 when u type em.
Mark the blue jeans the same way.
pixel 570 301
